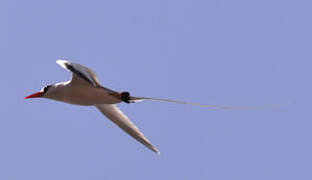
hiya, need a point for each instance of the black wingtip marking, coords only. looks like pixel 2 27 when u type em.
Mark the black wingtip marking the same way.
pixel 78 73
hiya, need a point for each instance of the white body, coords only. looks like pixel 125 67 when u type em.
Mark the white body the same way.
pixel 81 94
pixel 84 89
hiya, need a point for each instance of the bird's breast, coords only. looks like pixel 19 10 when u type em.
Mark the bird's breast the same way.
pixel 86 96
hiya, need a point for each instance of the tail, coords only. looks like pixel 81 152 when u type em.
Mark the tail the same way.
pixel 139 99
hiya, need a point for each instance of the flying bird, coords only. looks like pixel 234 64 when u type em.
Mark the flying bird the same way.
pixel 85 89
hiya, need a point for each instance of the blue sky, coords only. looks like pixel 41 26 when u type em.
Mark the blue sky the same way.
pixel 219 52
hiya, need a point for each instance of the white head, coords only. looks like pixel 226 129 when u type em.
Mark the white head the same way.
pixel 43 93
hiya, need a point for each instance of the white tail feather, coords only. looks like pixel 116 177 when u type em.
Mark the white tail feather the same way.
pixel 139 99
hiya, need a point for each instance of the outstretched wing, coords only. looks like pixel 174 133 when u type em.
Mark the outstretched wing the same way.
pixel 113 113
pixel 81 74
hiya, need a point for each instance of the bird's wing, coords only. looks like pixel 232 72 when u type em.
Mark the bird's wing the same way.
pixel 113 113
pixel 81 74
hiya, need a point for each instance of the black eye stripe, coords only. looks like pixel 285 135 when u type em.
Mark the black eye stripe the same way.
pixel 46 88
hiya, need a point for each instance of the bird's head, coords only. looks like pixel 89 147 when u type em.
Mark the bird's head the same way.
pixel 44 92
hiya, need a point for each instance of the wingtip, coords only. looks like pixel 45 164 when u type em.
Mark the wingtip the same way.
pixel 61 61
pixel 155 150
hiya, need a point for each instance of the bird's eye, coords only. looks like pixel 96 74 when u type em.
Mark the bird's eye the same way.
pixel 46 88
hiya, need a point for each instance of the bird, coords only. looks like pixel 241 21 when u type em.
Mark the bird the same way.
pixel 85 89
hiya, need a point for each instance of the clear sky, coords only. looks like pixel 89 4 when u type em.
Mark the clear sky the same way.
pixel 221 52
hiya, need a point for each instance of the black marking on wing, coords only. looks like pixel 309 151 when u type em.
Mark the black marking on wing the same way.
pixel 78 73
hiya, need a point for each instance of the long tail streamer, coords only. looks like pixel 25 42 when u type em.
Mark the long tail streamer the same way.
pixel 138 99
